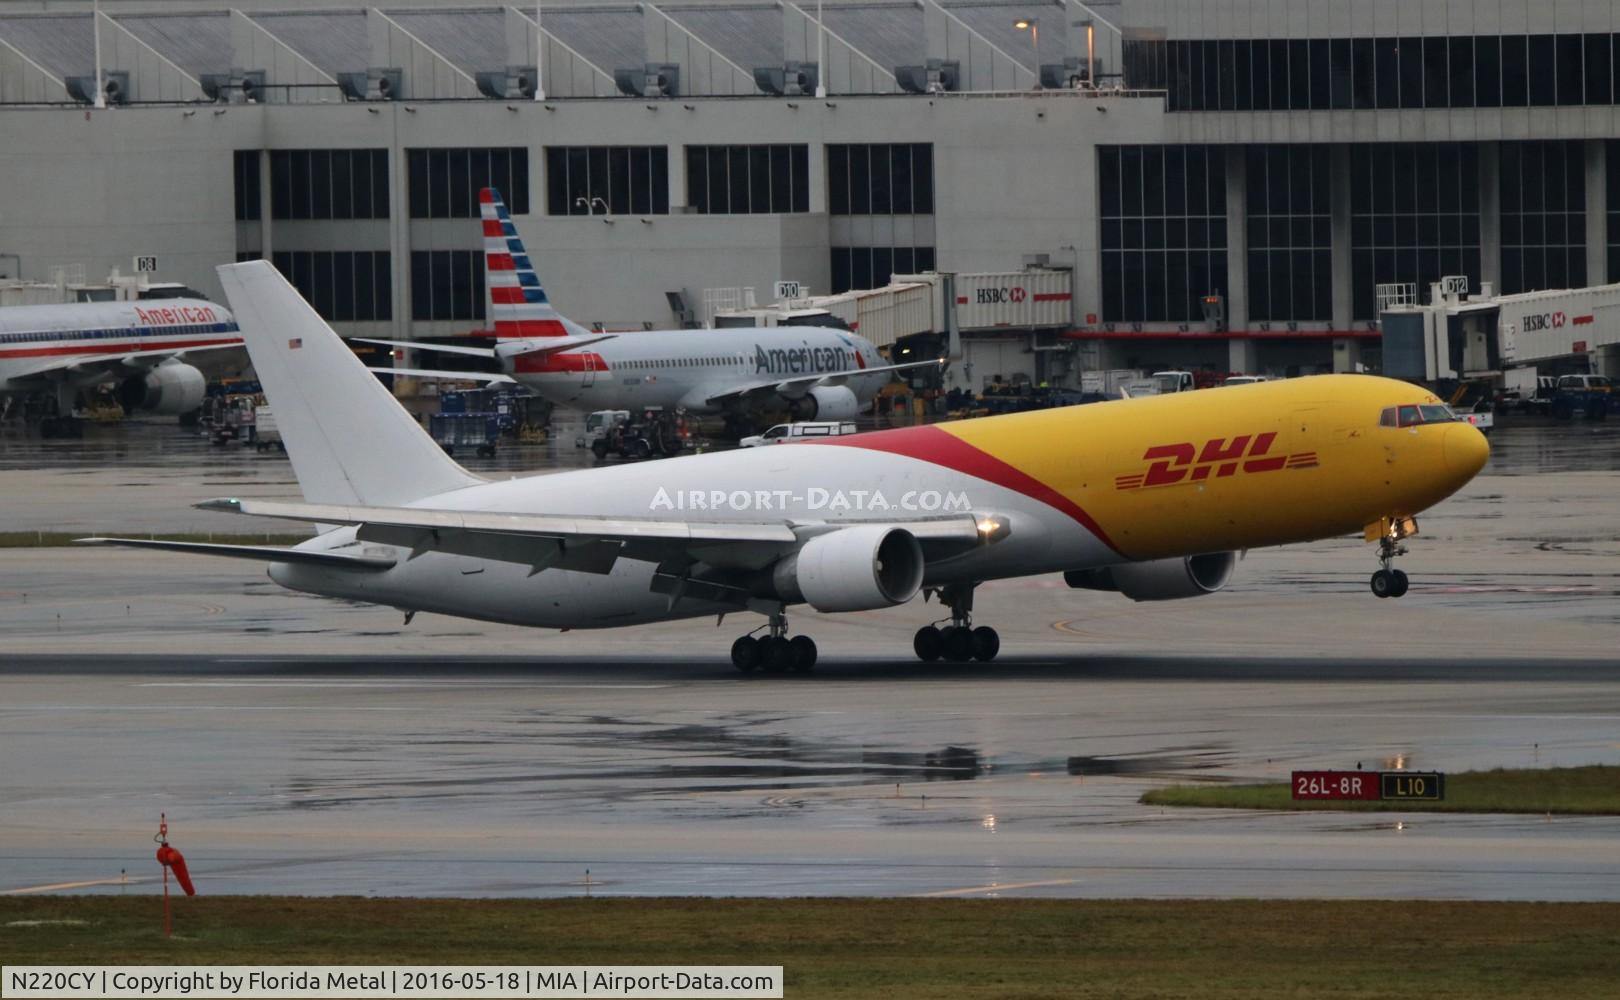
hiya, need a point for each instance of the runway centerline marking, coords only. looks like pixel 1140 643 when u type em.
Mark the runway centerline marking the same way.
pixel 445 684
pixel 996 887
pixel 58 886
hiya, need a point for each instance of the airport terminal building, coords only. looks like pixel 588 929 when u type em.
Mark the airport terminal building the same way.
pixel 1286 156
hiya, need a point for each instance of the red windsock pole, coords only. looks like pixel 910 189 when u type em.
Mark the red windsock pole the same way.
pixel 169 858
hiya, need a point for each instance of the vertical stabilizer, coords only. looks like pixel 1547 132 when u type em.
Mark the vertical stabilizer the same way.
pixel 349 440
pixel 517 304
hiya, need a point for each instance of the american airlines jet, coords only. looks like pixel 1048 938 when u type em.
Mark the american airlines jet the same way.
pixel 815 371
pixel 140 345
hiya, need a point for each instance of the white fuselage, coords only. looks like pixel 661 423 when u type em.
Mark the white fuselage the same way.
pixel 687 368
pixel 798 482
pixel 34 339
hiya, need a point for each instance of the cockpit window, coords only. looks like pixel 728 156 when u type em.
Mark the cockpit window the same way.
pixel 1413 414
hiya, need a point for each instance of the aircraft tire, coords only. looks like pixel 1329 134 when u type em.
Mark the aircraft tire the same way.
pixel 776 655
pixel 1383 584
pixel 986 643
pixel 745 654
pixel 928 644
pixel 1401 584
pixel 803 649
pixel 958 644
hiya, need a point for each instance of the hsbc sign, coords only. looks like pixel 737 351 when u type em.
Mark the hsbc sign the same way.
pixel 1000 294
pixel 1545 321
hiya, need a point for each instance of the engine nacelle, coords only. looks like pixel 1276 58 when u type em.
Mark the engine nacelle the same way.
pixel 853 569
pixel 827 402
pixel 167 390
pixel 1160 579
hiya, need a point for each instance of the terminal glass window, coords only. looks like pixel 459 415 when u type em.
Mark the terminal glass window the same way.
pixel 245 166
pixel 1612 182
pixel 1543 200
pixel 1414 216
pixel 607 180
pixel 328 184
pixel 741 180
pixel 1462 71
pixel 447 285
pixel 872 267
pixel 1290 233
pixel 343 286
pixel 444 183
pixel 880 179
pixel 1163 221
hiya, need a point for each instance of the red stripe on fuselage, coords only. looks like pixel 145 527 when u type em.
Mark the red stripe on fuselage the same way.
pixel 101 347
pixel 932 444
pixel 551 362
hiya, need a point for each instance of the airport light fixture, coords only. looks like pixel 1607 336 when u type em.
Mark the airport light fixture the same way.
pixel 821 53
pixel 1033 25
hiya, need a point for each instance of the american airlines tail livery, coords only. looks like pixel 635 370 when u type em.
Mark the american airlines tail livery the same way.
pixel 1152 498
pixel 816 371
pixel 140 345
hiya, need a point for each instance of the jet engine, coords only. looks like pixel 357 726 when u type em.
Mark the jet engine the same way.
pixel 852 569
pixel 166 390
pixel 1159 579
pixel 827 402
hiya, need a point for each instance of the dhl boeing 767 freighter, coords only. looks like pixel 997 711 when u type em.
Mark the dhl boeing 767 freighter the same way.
pixel 1150 497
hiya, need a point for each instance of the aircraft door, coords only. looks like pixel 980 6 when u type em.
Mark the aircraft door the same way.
pixel 587 373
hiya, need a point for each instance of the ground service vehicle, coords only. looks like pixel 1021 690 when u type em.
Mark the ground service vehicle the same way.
pixel 783 433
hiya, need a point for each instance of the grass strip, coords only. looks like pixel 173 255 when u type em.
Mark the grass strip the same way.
pixel 1591 791
pixel 885 947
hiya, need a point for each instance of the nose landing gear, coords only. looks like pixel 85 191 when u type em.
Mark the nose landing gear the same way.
pixel 1389 581
pixel 959 641
pixel 774 653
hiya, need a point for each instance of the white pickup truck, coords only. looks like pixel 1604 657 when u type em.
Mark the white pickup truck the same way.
pixel 783 433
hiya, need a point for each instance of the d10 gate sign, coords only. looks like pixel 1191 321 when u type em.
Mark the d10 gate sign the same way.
pixel 1371 786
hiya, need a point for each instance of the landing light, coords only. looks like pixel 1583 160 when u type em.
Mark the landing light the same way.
pixel 993 529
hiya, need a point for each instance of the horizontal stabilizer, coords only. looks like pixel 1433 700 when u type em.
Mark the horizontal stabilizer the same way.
pixel 417 345
pixel 444 374
pixel 270 553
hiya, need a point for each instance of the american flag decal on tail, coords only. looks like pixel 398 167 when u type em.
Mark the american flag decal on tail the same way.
pixel 295 343
pixel 517 304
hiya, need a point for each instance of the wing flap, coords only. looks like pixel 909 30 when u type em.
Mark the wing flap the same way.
pixel 433 373
pixel 113 363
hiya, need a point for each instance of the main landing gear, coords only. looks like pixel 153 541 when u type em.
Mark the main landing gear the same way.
pixel 1389 581
pixel 774 653
pixel 959 641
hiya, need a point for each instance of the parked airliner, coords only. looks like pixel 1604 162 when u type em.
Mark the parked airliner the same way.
pixel 140 345
pixel 816 371
pixel 1150 497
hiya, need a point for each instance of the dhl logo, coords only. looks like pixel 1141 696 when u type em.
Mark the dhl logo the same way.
pixel 1217 459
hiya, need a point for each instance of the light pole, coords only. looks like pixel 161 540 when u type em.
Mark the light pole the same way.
pixel 821 53
pixel 539 56
pixel 1034 26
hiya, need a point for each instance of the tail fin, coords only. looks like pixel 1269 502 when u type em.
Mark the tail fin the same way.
pixel 517 304
pixel 349 440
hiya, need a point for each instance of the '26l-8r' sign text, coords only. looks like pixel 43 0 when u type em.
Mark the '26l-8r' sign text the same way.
pixel 1369 785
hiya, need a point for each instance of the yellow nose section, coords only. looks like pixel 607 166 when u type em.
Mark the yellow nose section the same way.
pixel 1465 450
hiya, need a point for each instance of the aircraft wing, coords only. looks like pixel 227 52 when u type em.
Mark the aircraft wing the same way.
pixel 585 543
pixel 505 348
pixel 804 383
pixel 444 374
pixel 273 553
pixel 123 362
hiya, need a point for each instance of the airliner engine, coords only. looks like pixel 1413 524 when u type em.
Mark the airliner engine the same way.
pixel 853 569
pixel 1159 579
pixel 167 390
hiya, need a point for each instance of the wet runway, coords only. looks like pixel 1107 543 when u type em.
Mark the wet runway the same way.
pixel 494 776
pixel 306 746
